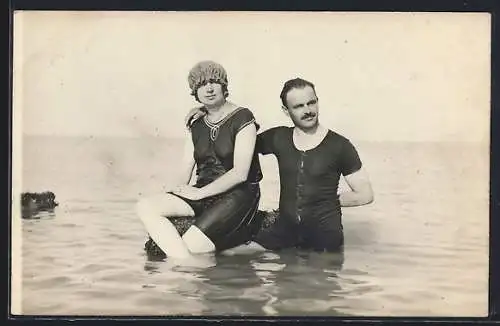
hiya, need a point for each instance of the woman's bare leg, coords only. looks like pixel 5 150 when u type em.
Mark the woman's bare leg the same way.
pixel 197 242
pixel 153 211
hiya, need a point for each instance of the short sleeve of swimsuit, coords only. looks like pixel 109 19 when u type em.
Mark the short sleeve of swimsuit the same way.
pixel 349 159
pixel 243 118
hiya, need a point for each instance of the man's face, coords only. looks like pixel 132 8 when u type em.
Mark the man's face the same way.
pixel 302 107
pixel 210 94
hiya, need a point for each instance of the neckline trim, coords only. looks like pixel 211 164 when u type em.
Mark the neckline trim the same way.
pixel 310 149
pixel 221 121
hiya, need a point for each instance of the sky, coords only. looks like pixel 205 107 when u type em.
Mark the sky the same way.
pixel 378 76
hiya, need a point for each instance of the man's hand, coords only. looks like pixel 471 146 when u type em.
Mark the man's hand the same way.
pixel 188 192
pixel 193 115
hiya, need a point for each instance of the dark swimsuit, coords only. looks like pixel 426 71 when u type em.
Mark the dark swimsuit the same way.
pixel 310 212
pixel 228 219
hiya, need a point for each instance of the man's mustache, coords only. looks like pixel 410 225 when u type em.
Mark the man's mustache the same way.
pixel 308 115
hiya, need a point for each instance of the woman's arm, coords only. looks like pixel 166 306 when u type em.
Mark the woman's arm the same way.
pixel 243 153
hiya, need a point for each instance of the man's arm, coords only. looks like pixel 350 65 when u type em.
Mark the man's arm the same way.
pixel 265 142
pixel 361 192
pixel 356 177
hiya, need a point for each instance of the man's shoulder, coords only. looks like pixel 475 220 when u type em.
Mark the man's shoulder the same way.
pixel 276 130
pixel 339 141
pixel 337 137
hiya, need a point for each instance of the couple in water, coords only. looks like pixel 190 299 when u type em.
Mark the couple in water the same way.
pixel 225 147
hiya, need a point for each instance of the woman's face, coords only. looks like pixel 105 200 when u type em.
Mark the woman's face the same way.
pixel 211 94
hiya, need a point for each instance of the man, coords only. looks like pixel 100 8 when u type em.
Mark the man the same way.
pixel 311 159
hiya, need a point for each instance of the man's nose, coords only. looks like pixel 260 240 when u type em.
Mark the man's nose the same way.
pixel 310 108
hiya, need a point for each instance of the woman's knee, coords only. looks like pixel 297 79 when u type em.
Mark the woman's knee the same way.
pixel 149 208
pixel 197 241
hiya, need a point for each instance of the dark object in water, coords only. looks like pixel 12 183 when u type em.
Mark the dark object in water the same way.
pixel 183 223
pixel 34 202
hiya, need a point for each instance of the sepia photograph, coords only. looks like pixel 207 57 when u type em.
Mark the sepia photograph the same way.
pixel 250 163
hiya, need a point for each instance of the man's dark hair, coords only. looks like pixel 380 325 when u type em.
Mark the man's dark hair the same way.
pixel 294 83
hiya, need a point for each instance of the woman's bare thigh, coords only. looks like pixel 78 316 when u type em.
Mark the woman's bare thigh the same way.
pixel 167 205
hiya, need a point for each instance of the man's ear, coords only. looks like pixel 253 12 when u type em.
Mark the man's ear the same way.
pixel 285 110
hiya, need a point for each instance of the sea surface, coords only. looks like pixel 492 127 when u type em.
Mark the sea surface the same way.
pixel 421 249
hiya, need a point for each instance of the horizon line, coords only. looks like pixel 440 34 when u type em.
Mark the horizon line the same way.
pixel 162 137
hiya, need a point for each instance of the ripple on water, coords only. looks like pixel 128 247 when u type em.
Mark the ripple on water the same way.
pixel 94 268
pixel 70 225
pixel 43 282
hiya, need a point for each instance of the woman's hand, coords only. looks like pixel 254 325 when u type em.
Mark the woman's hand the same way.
pixel 188 192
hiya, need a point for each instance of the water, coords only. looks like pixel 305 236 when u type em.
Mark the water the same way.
pixel 421 249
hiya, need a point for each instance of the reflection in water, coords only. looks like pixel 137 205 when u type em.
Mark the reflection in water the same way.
pixel 263 283
pixel 38 214
pixel 317 274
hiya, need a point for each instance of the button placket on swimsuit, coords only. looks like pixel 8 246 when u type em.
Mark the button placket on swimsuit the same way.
pixel 300 185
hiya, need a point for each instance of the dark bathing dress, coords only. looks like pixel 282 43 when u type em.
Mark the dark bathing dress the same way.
pixel 227 219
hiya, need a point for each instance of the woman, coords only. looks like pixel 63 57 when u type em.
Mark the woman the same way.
pixel 226 195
